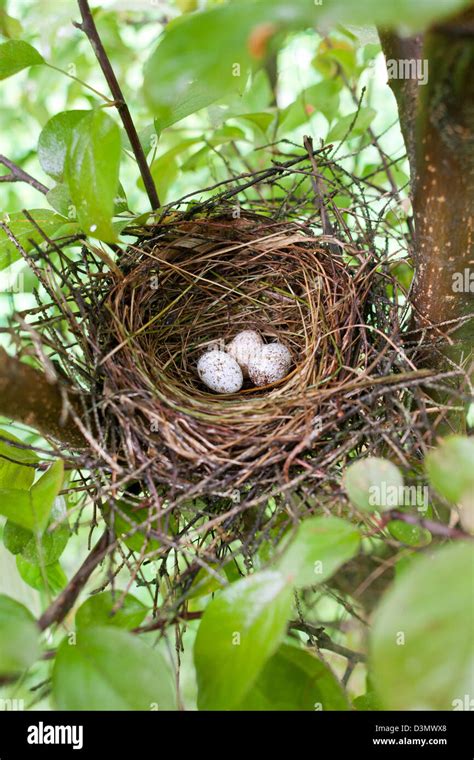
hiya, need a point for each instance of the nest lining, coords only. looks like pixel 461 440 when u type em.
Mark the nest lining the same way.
pixel 195 287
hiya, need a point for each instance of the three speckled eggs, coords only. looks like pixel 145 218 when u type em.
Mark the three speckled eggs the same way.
pixel 245 357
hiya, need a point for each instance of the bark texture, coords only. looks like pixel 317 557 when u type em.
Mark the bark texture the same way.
pixel 27 396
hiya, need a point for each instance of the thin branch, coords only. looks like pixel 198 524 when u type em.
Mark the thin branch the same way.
pixel 90 30
pixel 324 642
pixel 17 174
pixel 58 610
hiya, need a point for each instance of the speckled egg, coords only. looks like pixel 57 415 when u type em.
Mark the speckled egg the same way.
pixel 220 372
pixel 272 364
pixel 245 347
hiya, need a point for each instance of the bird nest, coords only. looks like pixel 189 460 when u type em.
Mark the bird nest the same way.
pixel 122 335
pixel 194 287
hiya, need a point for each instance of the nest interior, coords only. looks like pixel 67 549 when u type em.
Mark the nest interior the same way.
pixel 195 286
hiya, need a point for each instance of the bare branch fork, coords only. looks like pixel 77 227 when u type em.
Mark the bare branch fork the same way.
pixel 17 174
pixel 90 30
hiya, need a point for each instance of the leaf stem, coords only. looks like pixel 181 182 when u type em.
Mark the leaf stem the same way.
pixel 81 81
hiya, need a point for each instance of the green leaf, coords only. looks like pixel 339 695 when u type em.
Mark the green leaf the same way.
pixel 110 669
pixel 181 75
pixel 240 630
pixel 99 610
pixel 320 547
pixel 55 139
pixel 44 492
pixel 367 702
pixel 19 637
pixel 58 197
pixel 92 173
pixel 450 467
pixel 14 472
pixel 293 679
pixel 51 578
pixel 197 96
pixel 164 172
pixel 25 232
pixel 31 509
pixel 16 55
pixel 374 484
pixel 422 645
pixel 9 27
pixel 320 98
pixel 260 120
pixel 357 123
pixel 411 535
pixel 40 549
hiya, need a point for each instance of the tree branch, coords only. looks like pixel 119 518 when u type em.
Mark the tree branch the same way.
pixel 58 610
pixel 90 30
pixel 324 642
pixel 444 192
pixel 17 174
pixel 406 91
pixel 27 396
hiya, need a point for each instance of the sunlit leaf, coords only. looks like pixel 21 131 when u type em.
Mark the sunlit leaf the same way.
pixel 320 547
pixel 16 55
pixel 241 628
pixel 92 173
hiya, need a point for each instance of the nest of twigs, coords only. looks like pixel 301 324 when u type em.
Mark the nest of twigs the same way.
pixel 196 285
pixel 125 332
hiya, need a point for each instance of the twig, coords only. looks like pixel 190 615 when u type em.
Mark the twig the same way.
pixel 58 610
pixel 90 30
pixel 160 623
pixel 319 188
pixel 17 174
pixel 324 642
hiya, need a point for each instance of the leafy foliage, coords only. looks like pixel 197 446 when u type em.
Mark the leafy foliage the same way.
pixel 220 93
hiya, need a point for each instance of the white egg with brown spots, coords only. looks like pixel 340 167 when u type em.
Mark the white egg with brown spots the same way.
pixel 220 372
pixel 244 348
pixel 272 364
